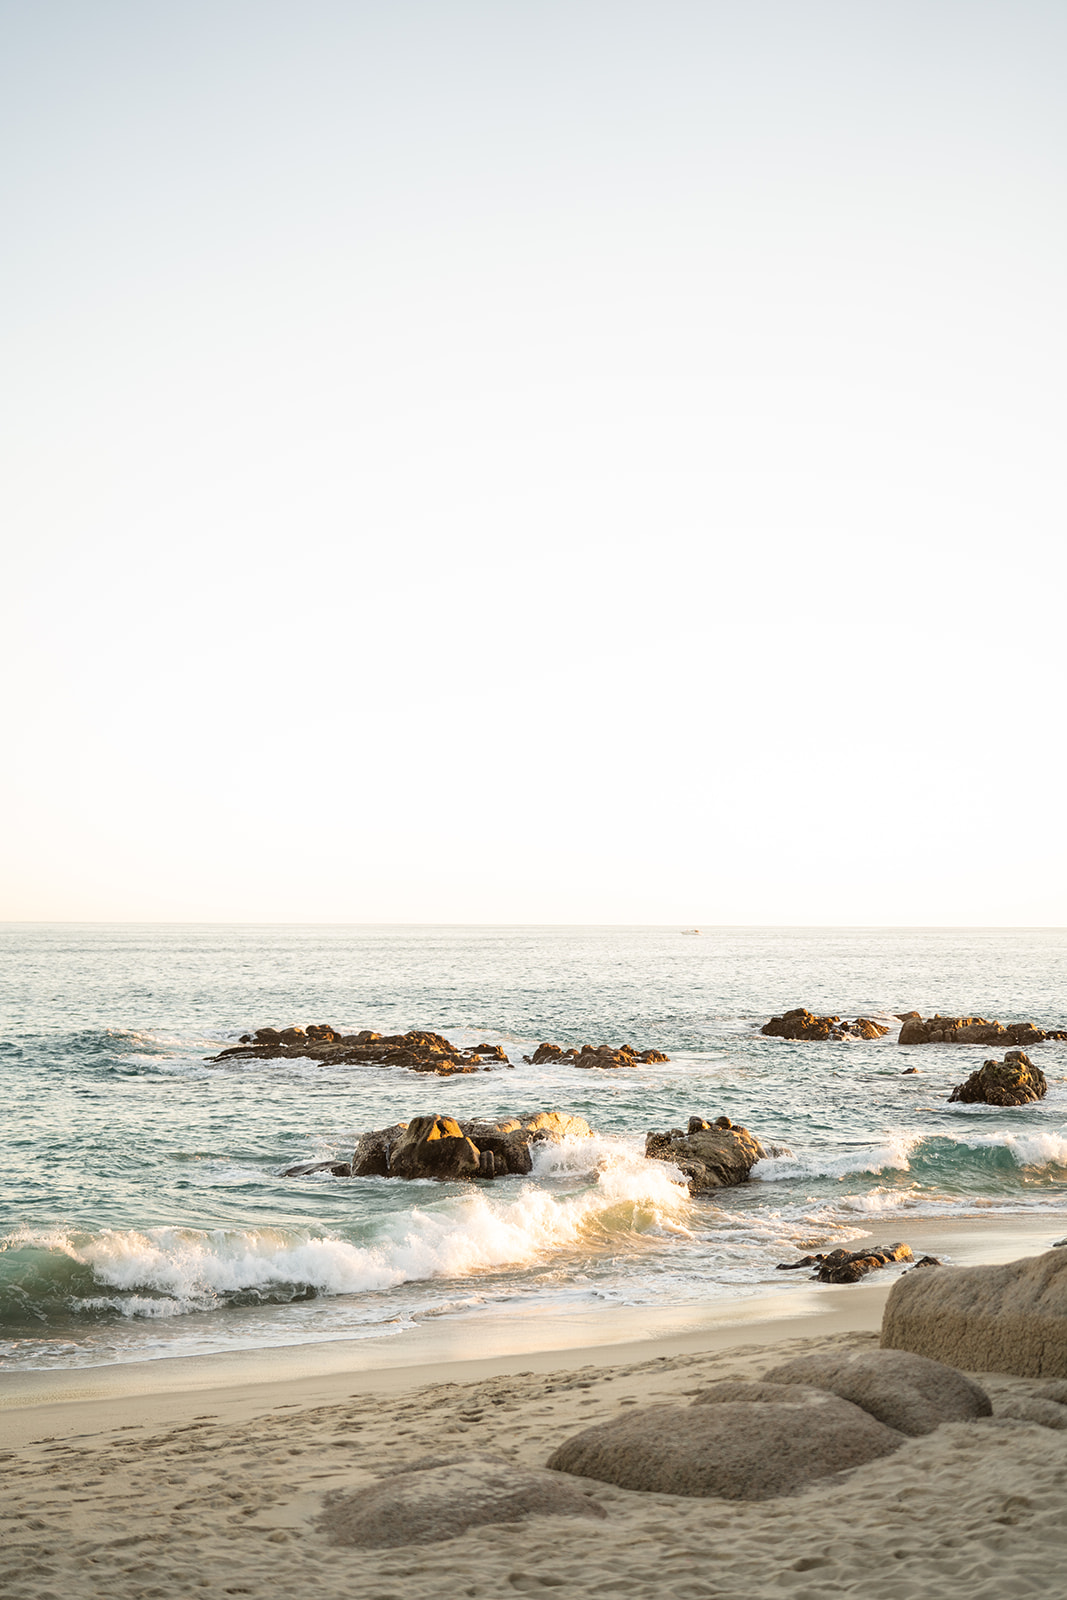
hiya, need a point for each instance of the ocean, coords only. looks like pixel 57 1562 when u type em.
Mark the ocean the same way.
pixel 142 1208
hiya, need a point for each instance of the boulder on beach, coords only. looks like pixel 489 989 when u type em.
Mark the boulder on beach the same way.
pixel 1015 1081
pixel 972 1030
pixel 908 1392
pixel 418 1050
pixel 1010 1318
pixel 435 1146
pixel 426 1504
pixel 737 1441
pixel 594 1055
pixel 712 1155
pixel 803 1024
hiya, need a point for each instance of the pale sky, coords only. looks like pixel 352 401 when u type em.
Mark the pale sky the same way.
pixel 596 461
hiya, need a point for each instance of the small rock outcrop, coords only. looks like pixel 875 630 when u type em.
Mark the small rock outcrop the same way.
pixel 306 1169
pixel 972 1030
pixel 442 1148
pixel 430 1503
pixel 908 1392
pixel 712 1155
pixel 418 1050
pixel 595 1055
pixel 737 1441
pixel 849 1266
pixel 803 1024
pixel 1015 1081
pixel 1010 1318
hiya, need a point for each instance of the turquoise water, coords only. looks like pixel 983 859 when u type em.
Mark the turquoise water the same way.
pixel 141 1208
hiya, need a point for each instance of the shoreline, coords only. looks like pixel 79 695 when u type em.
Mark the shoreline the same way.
pixel 470 1349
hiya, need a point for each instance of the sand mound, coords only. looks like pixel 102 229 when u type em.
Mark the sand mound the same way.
pixel 908 1392
pixel 441 1502
pixel 738 1441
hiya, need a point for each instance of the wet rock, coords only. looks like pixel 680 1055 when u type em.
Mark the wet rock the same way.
pixel 440 1147
pixel 972 1030
pixel 908 1392
pixel 711 1156
pixel 1009 1318
pixel 427 1505
pixel 418 1050
pixel 737 1441
pixel 803 1024
pixel 339 1169
pixel 926 1261
pixel 600 1055
pixel 849 1266
pixel 1015 1081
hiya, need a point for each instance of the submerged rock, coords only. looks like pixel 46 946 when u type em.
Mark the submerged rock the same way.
pixel 972 1030
pixel 803 1024
pixel 712 1155
pixel 305 1169
pixel 595 1055
pixel 1015 1081
pixel 440 1147
pixel 418 1050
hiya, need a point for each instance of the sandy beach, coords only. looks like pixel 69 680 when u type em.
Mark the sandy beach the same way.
pixel 209 1476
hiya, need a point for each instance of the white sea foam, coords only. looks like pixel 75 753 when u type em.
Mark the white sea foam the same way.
pixel 891 1155
pixel 162 1271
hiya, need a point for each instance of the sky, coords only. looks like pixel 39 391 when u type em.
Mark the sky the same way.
pixel 579 462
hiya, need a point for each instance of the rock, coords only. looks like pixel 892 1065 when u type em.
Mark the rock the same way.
pixel 711 1157
pixel 908 1071
pixel 1052 1391
pixel 737 1441
pixel 802 1024
pixel 433 1147
pixel 339 1169
pixel 1010 1318
pixel 600 1055
pixel 910 1393
pixel 418 1050
pixel 926 1261
pixel 473 1149
pixel 1015 1081
pixel 794 1266
pixel 971 1030
pixel 848 1266
pixel 429 1504
pixel 1046 1413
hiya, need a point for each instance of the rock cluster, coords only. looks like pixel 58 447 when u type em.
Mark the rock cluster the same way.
pixel 440 1147
pixel 418 1050
pixel 972 1030
pixel 802 1024
pixel 848 1266
pixel 1015 1081
pixel 1010 1318
pixel 595 1055
pixel 712 1155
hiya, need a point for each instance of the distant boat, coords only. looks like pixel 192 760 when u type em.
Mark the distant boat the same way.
pixel 690 930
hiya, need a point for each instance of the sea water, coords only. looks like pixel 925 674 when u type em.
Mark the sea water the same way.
pixel 143 1211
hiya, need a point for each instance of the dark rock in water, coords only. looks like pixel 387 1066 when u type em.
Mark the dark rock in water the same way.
pixel 737 1441
pixel 440 1147
pixel 848 1266
pixel 908 1072
pixel 429 1504
pixel 803 1024
pixel 418 1050
pixel 972 1030
pixel 600 1055
pixel 1008 1318
pixel 339 1169
pixel 794 1266
pixel 908 1392
pixel 433 1147
pixel 926 1261
pixel 1015 1081
pixel 711 1156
